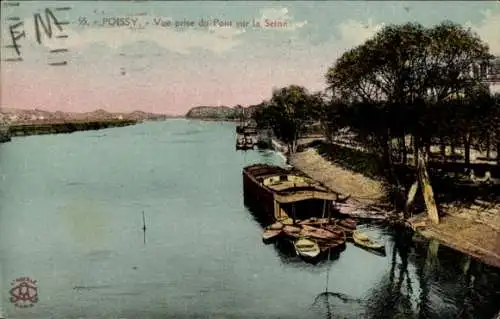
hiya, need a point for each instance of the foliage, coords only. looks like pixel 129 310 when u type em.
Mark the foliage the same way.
pixel 412 80
pixel 288 113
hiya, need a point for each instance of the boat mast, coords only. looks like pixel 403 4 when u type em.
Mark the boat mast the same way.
pixel 324 209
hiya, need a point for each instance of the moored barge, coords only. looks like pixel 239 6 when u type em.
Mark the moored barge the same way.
pixel 277 193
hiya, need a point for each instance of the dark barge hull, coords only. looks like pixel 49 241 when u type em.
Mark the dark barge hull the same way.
pixel 270 205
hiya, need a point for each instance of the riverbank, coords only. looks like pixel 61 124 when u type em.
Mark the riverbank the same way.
pixel 4 135
pixel 471 229
pixel 209 119
pixel 65 127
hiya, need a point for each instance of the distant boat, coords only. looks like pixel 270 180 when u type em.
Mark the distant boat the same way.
pixel 306 248
pixel 363 241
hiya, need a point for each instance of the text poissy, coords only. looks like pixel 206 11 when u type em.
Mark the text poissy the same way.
pixel 119 21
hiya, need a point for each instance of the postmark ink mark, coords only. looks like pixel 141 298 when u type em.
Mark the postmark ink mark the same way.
pixel 24 292
pixel 16 35
pixel 18 59
pixel 59 63
pixel 62 9
pixel 11 4
pixel 47 25
pixel 58 50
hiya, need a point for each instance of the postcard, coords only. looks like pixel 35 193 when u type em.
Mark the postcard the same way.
pixel 238 159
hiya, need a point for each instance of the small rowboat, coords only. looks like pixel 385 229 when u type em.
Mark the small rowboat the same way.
pixel 270 234
pixel 363 241
pixel 306 248
pixel 337 231
pixel 286 221
pixel 292 231
pixel 347 231
pixel 275 226
pixel 347 223
pixel 318 233
pixel 333 245
pixel 317 221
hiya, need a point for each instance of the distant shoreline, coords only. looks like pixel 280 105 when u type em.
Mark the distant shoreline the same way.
pixel 64 127
pixel 208 119
pixel 79 125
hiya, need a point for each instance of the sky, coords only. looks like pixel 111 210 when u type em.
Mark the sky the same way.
pixel 145 63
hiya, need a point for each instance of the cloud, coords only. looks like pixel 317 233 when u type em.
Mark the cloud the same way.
pixel 489 30
pixel 353 33
pixel 278 19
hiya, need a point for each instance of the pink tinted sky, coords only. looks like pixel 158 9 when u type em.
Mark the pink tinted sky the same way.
pixel 170 71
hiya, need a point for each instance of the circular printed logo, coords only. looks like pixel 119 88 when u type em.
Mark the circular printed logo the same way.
pixel 24 292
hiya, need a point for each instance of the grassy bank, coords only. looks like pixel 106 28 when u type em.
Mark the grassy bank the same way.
pixel 65 127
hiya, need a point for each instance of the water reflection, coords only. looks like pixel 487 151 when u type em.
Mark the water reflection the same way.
pixel 422 280
pixel 286 252
pixel 331 305
pixel 429 281
pixel 204 256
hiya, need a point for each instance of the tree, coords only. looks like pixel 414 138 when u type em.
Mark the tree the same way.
pixel 395 81
pixel 288 113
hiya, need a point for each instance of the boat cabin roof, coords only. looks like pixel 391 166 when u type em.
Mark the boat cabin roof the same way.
pixel 258 170
pixel 286 182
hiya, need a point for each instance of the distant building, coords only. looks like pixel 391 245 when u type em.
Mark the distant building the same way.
pixel 489 73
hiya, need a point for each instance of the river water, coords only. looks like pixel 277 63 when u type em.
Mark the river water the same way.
pixel 71 219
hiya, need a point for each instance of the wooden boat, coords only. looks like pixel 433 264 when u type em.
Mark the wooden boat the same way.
pixel 347 231
pixel 276 226
pixel 286 221
pixel 292 231
pixel 289 229
pixel 318 221
pixel 347 223
pixel 270 234
pixel 306 248
pixel 276 191
pixel 362 240
pixel 317 233
pixel 337 231
pixel 332 245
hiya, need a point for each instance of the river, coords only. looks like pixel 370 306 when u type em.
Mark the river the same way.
pixel 71 218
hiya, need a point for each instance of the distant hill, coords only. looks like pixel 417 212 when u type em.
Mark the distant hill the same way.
pixel 14 116
pixel 220 113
